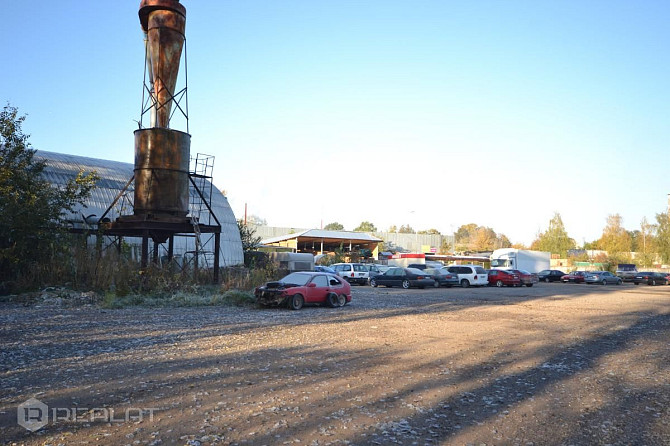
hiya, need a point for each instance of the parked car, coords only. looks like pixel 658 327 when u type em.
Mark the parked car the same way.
pixel 550 275
pixel 403 277
pixel 324 269
pixel 650 278
pixel 308 287
pixel 627 271
pixel 442 277
pixel 602 277
pixel 470 275
pixel 352 272
pixel 375 270
pixel 502 278
pixel 527 278
pixel 421 266
pixel 574 277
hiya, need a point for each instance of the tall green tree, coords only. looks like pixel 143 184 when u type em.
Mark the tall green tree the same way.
pixel 33 213
pixel 334 226
pixel 555 239
pixel 663 236
pixel 646 244
pixel 615 239
pixel 406 229
pixel 366 226
pixel 250 241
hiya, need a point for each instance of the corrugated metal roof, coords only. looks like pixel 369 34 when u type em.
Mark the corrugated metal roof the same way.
pixel 321 233
pixel 114 176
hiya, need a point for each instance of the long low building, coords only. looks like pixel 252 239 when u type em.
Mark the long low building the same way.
pixel 114 176
pixel 319 241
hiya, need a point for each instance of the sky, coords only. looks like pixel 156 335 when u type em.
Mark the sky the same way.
pixel 434 114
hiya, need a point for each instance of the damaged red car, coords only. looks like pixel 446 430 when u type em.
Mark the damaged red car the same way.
pixel 301 288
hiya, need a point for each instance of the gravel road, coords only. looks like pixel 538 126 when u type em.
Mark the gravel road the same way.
pixel 555 364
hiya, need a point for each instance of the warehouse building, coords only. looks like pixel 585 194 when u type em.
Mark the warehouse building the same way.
pixel 114 186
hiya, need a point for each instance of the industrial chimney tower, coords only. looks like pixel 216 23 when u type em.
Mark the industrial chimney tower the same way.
pixel 162 155
pixel 162 181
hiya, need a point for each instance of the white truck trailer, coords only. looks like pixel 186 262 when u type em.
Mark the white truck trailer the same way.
pixel 512 258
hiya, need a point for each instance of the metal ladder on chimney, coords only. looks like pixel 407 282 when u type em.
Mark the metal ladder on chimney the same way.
pixel 202 167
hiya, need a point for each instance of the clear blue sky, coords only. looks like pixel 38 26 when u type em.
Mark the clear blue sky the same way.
pixel 429 113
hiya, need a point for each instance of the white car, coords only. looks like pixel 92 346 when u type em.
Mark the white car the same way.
pixel 352 272
pixel 469 275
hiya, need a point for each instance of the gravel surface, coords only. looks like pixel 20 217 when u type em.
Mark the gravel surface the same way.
pixel 552 364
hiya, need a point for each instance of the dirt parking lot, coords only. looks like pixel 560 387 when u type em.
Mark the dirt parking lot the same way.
pixel 553 364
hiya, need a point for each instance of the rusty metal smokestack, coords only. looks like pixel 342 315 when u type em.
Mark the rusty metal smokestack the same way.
pixel 162 154
pixel 163 23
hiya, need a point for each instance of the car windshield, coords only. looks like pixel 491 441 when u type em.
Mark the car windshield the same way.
pixel 297 278
pixel 415 271
pixel 522 271
pixel 499 263
pixel 360 268
pixel 480 270
pixel 431 271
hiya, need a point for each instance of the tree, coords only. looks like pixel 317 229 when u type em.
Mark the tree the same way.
pixel 33 213
pixel 555 239
pixel 248 236
pixel 503 242
pixel 406 229
pixel 393 229
pixel 256 221
pixel 472 237
pixel 484 239
pixel 366 226
pixel 335 226
pixel 429 232
pixel 663 236
pixel 646 243
pixel 465 233
pixel 615 239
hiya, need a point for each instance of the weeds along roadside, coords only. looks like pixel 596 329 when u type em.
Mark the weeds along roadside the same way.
pixel 117 281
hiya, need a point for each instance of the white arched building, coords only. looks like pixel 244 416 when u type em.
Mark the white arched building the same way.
pixel 114 176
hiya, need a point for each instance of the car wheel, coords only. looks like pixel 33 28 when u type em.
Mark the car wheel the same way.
pixel 373 283
pixel 636 283
pixel 499 284
pixel 465 283
pixel 529 284
pixel 604 282
pixel 546 279
pixel 619 282
pixel 331 300
pixel 653 282
pixel 405 284
pixel 296 302
pixel 436 284
pixel 341 300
